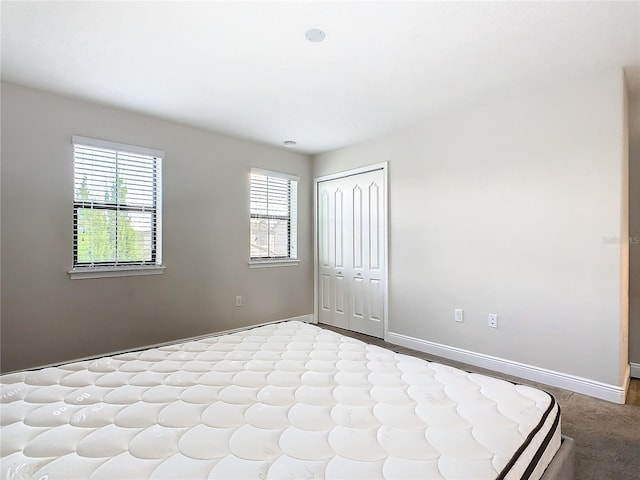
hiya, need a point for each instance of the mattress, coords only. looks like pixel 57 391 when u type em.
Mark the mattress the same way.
pixel 287 400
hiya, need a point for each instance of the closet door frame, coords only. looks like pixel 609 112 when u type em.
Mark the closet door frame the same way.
pixel 384 166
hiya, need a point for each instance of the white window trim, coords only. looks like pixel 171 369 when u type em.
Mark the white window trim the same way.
pixel 271 173
pixel 94 142
pixel 274 263
pixel 108 272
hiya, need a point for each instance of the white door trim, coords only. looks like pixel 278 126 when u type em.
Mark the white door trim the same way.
pixel 384 166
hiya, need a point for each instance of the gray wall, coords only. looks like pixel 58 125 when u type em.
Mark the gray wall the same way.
pixel 46 317
pixel 514 209
pixel 634 230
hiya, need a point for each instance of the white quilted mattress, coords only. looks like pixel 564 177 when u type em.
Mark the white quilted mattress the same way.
pixel 281 401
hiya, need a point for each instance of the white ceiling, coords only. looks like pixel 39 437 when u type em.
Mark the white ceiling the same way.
pixel 246 69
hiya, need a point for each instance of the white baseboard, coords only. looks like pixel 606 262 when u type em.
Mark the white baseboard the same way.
pixel 635 370
pixel 593 388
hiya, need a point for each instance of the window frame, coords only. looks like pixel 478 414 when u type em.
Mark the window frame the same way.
pixel 291 218
pixel 118 268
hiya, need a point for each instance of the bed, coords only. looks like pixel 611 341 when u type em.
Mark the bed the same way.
pixel 285 400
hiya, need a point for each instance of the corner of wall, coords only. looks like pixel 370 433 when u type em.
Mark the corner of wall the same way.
pixel 625 240
pixel 633 145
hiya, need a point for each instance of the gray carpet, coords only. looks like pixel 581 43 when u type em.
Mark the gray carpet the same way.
pixel 607 435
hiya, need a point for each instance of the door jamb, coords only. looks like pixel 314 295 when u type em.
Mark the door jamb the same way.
pixel 384 166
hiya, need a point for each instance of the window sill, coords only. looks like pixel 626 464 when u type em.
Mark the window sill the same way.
pixel 106 272
pixel 273 263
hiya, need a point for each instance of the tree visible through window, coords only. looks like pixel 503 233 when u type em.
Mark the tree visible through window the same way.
pixel 117 213
pixel 273 218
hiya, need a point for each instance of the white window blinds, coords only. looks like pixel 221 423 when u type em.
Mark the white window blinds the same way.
pixel 273 218
pixel 117 204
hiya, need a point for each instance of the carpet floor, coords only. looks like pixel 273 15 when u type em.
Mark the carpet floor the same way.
pixel 607 435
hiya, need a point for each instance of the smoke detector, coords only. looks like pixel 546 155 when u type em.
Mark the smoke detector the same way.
pixel 315 35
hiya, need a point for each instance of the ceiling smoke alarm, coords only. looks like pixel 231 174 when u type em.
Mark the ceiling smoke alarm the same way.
pixel 289 143
pixel 315 35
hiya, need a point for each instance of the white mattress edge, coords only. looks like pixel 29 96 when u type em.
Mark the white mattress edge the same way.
pixel 549 432
pixel 521 465
pixel 303 318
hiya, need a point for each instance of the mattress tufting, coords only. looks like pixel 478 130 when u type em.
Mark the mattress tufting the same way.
pixel 287 400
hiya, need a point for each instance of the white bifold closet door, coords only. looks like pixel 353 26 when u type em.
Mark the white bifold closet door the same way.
pixel 351 276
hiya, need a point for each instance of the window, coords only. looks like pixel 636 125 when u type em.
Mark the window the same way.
pixel 117 215
pixel 273 218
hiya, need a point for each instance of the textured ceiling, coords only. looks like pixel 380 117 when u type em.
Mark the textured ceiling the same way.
pixel 245 68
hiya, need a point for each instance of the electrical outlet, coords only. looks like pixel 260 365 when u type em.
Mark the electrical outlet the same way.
pixel 239 301
pixel 459 315
pixel 493 320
